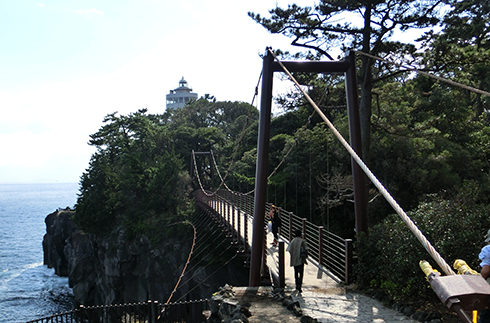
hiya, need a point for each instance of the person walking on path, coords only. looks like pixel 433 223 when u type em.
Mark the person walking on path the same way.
pixel 275 218
pixel 485 273
pixel 298 249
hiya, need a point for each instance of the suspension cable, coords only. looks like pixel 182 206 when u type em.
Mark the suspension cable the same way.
pixel 183 271
pixel 226 263
pixel 237 145
pixel 411 225
pixel 210 263
pixel 210 251
pixel 410 68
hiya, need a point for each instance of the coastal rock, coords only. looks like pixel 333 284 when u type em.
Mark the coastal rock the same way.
pixel 58 228
pixel 115 270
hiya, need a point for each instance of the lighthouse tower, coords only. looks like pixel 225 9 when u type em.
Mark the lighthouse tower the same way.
pixel 178 97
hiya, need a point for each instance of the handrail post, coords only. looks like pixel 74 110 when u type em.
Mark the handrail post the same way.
pixel 348 260
pixel 320 245
pixel 155 311
pixel 149 305
pixel 228 216
pixel 279 231
pixel 220 200
pixel 264 254
pixel 282 271
pixel 303 227
pixel 239 231
pixel 245 228
pixel 240 204
pixel 233 223
pixel 290 226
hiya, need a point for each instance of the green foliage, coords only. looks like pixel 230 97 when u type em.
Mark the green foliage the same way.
pixel 138 178
pixel 133 178
pixel 389 257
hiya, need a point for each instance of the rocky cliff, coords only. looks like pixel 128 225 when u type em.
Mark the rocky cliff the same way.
pixel 114 270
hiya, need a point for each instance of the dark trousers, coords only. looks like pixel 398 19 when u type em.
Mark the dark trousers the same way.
pixel 275 232
pixel 298 275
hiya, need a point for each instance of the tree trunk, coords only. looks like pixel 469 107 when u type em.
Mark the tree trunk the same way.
pixel 366 87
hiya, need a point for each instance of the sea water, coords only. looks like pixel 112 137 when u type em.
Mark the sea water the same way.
pixel 28 289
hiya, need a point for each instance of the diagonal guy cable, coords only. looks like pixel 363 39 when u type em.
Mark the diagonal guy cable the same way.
pixel 442 79
pixel 411 225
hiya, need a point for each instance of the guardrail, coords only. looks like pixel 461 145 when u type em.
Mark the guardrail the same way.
pixel 146 312
pixel 329 252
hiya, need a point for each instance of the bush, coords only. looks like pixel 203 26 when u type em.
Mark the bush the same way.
pixel 389 256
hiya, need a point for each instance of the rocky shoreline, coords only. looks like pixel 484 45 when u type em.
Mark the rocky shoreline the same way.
pixel 114 270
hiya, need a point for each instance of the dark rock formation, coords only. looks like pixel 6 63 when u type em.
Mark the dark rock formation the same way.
pixel 59 227
pixel 114 270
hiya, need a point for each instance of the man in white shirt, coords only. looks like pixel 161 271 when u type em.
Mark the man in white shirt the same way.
pixel 296 260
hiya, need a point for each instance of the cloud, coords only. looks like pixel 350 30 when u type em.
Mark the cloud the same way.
pixel 88 11
pixel 40 4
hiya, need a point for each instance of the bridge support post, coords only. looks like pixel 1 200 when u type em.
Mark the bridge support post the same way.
pixel 360 198
pixel 360 190
pixel 261 169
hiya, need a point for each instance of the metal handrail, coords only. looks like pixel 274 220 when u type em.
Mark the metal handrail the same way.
pixel 329 252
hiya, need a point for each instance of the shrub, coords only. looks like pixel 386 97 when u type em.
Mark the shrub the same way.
pixel 389 256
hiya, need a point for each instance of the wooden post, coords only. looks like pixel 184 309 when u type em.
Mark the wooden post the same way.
pixel 282 270
pixel 360 190
pixel 239 231
pixel 261 168
pixel 245 228
pixel 264 254
pixel 228 215
pixel 320 245
pixel 348 260
pixel 233 223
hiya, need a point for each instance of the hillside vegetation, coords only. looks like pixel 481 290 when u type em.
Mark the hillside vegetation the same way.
pixel 426 140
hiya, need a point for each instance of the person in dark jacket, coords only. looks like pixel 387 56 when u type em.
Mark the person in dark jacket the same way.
pixel 275 218
pixel 298 259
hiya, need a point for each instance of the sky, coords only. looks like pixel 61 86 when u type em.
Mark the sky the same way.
pixel 65 64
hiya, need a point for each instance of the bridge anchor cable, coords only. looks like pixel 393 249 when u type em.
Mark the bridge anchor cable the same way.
pixel 411 225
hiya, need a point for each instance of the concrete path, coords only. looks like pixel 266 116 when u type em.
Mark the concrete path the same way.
pixel 322 298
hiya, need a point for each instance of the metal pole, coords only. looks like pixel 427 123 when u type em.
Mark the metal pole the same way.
pixel 348 260
pixel 282 272
pixel 360 196
pixel 261 169
pixel 320 245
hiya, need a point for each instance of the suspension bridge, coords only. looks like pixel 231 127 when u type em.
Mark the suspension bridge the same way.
pixel 241 220
pixel 461 294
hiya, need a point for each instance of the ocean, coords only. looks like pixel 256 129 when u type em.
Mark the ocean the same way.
pixel 28 289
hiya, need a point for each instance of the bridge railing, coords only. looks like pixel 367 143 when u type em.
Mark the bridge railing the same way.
pixel 328 252
pixel 189 312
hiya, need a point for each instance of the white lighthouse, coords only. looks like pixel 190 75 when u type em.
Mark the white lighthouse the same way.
pixel 178 97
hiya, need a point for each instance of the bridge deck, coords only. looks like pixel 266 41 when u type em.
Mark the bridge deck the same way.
pixel 327 301
pixel 322 297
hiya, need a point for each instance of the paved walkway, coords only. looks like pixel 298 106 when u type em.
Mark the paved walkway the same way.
pixel 322 298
